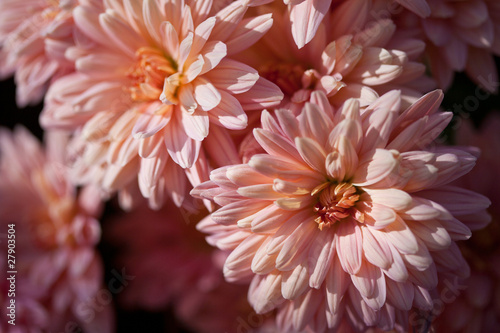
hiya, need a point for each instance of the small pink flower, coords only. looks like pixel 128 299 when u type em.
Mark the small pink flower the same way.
pixel 347 213
pixel 152 80
pixel 33 37
pixel 460 36
pixel 173 266
pixel 59 271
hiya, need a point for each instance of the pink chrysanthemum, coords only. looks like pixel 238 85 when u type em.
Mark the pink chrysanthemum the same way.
pixel 460 36
pixel 347 212
pixel 173 266
pixel 33 37
pixel 150 78
pixel 353 55
pixel 58 270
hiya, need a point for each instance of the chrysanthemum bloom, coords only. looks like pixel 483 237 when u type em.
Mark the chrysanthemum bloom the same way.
pixel 152 80
pixel 34 35
pixel 460 36
pixel 174 267
pixel 353 55
pixel 59 273
pixel 346 214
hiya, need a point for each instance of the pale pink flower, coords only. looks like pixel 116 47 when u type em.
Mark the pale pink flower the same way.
pixel 353 55
pixel 33 37
pixel 58 269
pixel 153 79
pixel 348 213
pixel 460 36
pixel 173 266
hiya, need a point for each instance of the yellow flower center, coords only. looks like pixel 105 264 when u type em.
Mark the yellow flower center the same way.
pixel 149 73
pixel 335 202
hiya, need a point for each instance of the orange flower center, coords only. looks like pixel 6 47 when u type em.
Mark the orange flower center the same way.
pixel 149 73
pixel 335 202
pixel 286 76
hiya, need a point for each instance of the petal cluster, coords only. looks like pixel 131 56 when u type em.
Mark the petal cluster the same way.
pixel 346 213
pixel 33 38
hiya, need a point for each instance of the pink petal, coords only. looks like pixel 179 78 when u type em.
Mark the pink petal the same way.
pixel 400 294
pixel 397 271
pixel 399 235
pixel 202 34
pixel 312 153
pixel 233 76
pixel 227 20
pixel 232 213
pixel 378 216
pixel 264 293
pixel 349 246
pixel 262 191
pixel 195 124
pixel 270 219
pixel 241 257
pixel 220 147
pixel 229 112
pixel 317 123
pixel 248 32
pixel 321 252
pixel 276 145
pixel 457 201
pixel 206 94
pixel 213 53
pixel 116 29
pixel 393 198
pixel 419 7
pixel 175 183
pixel 148 125
pixel 183 150
pixel 294 282
pixel 376 249
pixel 296 247
pixel 169 38
pixel 264 94
pixel 150 172
pixel 262 263
pixel 336 285
pixel 306 17
pixel 420 260
pixel 382 164
pixel 185 49
pixel 152 18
